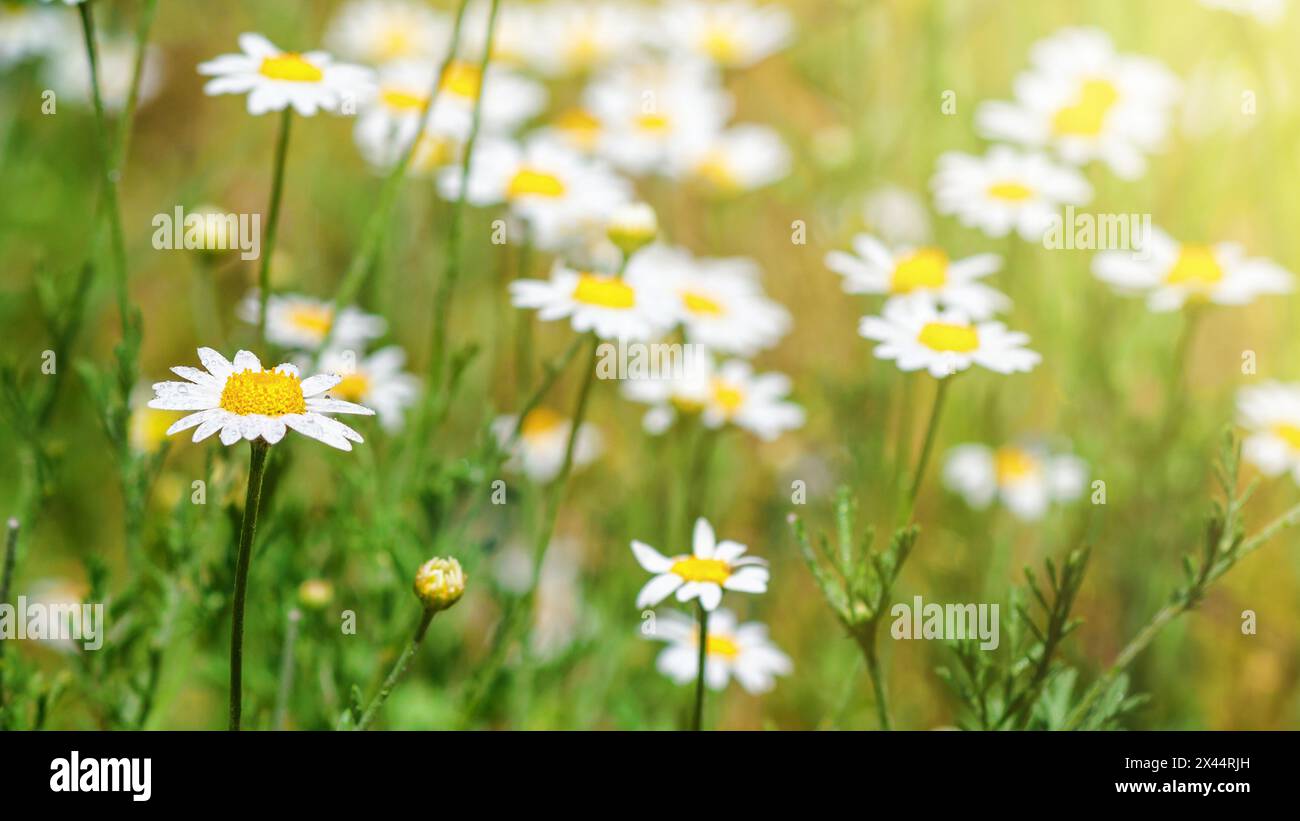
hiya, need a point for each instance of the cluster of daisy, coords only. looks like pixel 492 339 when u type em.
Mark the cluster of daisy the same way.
pixel 730 649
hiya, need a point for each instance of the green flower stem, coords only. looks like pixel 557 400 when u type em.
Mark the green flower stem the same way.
pixel 108 172
pixel 866 638
pixel 6 578
pixel 399 669
pixel 147 12
pixel 272 223
pixel 286 670
pixel 927 446
pixel 256 469
pixel 697 716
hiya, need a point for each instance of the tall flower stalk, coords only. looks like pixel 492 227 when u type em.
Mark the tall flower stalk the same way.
pixel 702 619
pixel 252 501
pixel 272 222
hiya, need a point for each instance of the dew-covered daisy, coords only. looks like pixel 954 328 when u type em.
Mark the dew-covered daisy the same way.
pixel 574 37
pixel 242 400
pixel 1087 102
pixel 657 113
pixel 731 33
pixel 375 380
pixel 538 452
pixel 303 323
pixel 907 273
pixel 739 159
pixel 719 301
pixel 1025 477
pixel 382 31
pixel 558 193
pixel 919 335
pixel 27 32
pixel 68 72
pixel 1173 274
pixel 1271 415
pixel 728 394
pixel 1006 190
pixel 710 568
pixel 275 80
pixel 1268 12
pixel 730 649
pixel 610 306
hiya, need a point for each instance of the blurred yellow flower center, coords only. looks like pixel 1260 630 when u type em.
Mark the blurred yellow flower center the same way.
pixel 539 422
pixel 1086 117
pixel 1196 267
pixel 945 336
pixel 585 50
pixel 727 396
pixel 1013 464
pixel 290 67
pixel 529 183
pixel 313 318
pixel 716 170
pixel 581 126
pixel 395 42
pixel 698 303
pixel 1289 434
pixel 604 291
pixel 720 646
pixel 922 270
pixel 149 428
pixel 653 122
pixel 462 79
pixel 353 387
pixel 400 99
pixel 720 44
pixel 432 151
pixel 269 393
pixel 701 570
pixel 1010 191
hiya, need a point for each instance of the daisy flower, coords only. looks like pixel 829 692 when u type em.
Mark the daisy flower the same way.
pixel 576 37
pixel 555 191
pixel 736 160
pixel 1087 102
pixel 27 32
pixel 719 301
pixel 743 651
pixel 539 450
pixel 1271 413
pixel 241 400
pixel 375 380
pixel 920 272
pixel 382 31
pixel 275 80
pixel 1005 190
pixel 68 73
pixel 577 128
pixel 1027 478
pixel 657 113
pixel 730 394
pixel 732 33
pixel 612 307
pixel 917 334
pixel 1173 274
pixel 303 323
pixel 711 568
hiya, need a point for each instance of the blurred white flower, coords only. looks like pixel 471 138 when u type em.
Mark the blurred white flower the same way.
pixel 275 80
pixel 743 651
pixel 918 335
pixel 1271 415
pixel 739 159
pixel 27 32
pixel 730 394
pixel 375 380
pixel 573 37
pixel 68 73
pixel 1006 190
pixel 897 215
pixel 1026 478
pixel 711 568
pixel 731 33
pixel 612 307
pixel 538 452
pixel 303 323
pixel 381 31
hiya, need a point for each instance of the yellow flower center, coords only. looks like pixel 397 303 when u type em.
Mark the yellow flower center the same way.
pixel 540 422
pixel 921 270
pixel 945 336
pixel 701 570
pixel 581 126
pixel 1012 464
pixel 315 319
pixel 604 291
pixel 1010 191
pixel 1087 116
pixel 462 79
pixel 719 43
pixel 290 67
pixel 727 396
pixel 723 646
pixel 395 42
pixel 530 183
pixel 657 123
pixel 585 50
pixel 718 172
pixel 1289 434
pixel 402 100
pixel 353 387
pixel 149 428
pixel 269 393
pixel 1196 267
pixel 700 304
pixel 432 151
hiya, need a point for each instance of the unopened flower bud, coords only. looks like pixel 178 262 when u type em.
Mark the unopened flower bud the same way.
pixel 315 593
pixel 439 583
pixel 632 227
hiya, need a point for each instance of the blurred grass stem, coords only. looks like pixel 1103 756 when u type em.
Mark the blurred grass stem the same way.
pixel 272 223
pixel 399 669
